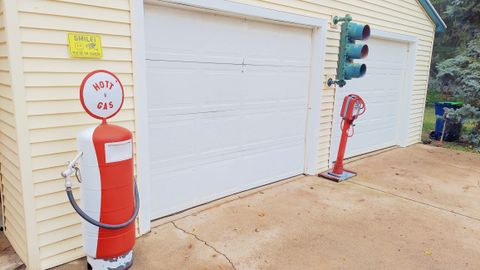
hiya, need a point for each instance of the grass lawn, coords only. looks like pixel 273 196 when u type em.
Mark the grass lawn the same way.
pixel 429 120
pixel 429 125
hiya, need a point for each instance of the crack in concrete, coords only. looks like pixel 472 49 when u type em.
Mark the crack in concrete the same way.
pixel 205 243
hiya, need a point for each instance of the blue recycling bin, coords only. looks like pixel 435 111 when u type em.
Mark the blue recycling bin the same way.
pixel 439 110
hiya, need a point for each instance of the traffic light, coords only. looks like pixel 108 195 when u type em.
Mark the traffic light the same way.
pixel 349 50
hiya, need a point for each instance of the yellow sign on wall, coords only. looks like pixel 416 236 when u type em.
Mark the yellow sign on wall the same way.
pixel 84 45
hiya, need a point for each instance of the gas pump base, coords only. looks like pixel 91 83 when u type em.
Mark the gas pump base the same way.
pixel 122 262
pixel 338 177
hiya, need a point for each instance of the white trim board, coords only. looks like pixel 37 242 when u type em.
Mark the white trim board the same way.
pixel 412 42
pixel 392 36
pixel 319 32
pixel 312 139
pixel 141 112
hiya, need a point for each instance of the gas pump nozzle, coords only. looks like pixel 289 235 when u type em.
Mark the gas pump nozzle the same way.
pixel 70 170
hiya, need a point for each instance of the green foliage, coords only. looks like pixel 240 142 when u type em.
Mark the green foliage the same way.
pixel 460 75
pixel 463 20
pixel 456 64
pixel 471 116
pixel 463 114
pixel 473 137
pixel 431 96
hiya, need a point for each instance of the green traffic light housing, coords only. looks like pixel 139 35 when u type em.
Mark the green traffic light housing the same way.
pixel 358 31
pixel 349 50
pixel 355 71
pixel 357 51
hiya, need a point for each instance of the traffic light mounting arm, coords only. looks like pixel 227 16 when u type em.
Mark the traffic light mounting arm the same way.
pixel 337 19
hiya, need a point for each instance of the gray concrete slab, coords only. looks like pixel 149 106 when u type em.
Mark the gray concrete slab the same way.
pixel 437 176
pixel 377 221
pixel 315 224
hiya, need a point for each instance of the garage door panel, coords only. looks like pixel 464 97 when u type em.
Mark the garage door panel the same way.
pixel 171 38
pixel 175 93
pixel 208 87
pixel 226 133
pixel 237 170
pixel 216 180
pixel 382 101
pixel 381 89
pixel 383 124
pixel 218 135
pixel 197 135
pixel 376 111
pixel 375 140
pixel 279 84
pixel 294 120
pixel 273 126
pixel 172 139
pixel 295 49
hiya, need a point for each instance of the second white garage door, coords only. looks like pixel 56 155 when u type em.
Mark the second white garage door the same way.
pixel 227 104
pixel 382 89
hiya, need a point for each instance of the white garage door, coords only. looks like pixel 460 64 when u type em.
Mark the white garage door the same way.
pixel 227 104
pixel 382 90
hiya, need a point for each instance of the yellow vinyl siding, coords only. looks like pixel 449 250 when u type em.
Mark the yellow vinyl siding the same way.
pixel 10 182
pixel 55 116
pixel 399 16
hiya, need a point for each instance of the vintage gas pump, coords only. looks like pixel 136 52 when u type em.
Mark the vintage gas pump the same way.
pixel 353 106
pixel 109 195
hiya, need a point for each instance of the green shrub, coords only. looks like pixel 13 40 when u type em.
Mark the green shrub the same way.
pixel 457 64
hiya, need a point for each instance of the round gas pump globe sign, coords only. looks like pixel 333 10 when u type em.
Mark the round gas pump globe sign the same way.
pixel 101 94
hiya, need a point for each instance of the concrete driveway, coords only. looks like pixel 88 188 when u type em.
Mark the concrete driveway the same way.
pixel 410 208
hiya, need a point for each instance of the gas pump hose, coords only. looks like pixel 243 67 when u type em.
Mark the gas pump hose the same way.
pixel 97 223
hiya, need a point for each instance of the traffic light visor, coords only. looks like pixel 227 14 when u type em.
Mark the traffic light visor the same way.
pixel 355 71
pixel 358 31
pixel 357 51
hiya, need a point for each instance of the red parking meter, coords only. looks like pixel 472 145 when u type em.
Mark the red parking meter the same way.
pixel 353 106
pixel 109 195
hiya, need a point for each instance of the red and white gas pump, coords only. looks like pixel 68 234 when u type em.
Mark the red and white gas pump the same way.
pixel 109 195
pixel 353 106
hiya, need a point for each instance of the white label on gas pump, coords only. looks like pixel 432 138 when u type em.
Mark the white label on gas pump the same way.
pixel 101 94
pixel 118 151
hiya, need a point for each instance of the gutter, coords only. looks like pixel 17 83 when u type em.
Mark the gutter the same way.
pixel 440 25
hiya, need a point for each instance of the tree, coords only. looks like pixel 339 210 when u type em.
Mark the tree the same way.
pixel 457 63
pixel 460 75
pixel 463 20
